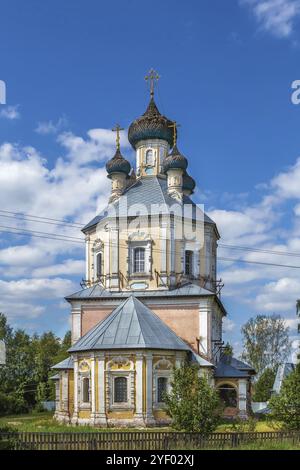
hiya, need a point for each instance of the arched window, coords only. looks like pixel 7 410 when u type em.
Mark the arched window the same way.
pixel 149 157
pixel 85 390
pixel 99 265
pixel 120 390
pixel 228 395
pixel 188 263
pixel 139 260
pixel 162 383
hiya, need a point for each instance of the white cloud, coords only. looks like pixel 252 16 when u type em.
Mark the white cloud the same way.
pixel 275 16
pixel 50 127
pixel 30 289
pixel 69 267
pixel 10 112
pixel 228 325
pixel 278 296
pixel 76 187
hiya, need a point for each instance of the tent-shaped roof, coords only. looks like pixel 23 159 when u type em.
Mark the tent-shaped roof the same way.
pixel 149 192
pixel 131 325
pixel 65 364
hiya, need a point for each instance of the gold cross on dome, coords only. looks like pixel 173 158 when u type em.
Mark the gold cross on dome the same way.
pixel 174 126
pixel 117 129
pixel 152 77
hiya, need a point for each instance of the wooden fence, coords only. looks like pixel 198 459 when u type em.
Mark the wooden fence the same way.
pixel 137 440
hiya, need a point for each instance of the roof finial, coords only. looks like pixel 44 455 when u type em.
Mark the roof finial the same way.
pixel 117 129
pixel 174 126
pixel 152 77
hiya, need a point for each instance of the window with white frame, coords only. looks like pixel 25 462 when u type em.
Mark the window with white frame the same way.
pixel 98 263
pixel 120 390
pixel 139 260
pixel 85 390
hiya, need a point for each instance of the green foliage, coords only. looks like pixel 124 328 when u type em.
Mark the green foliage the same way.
pixel 266 342
pixel 264 385
pixel 286 406
pixel 192 403
pixel 228 349
pixel 24 380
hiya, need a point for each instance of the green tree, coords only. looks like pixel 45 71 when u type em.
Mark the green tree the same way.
pixel 285 407
pixel 192 403
pixel 227 349
pixel 24 380
pixel 266 342
pixel 264 385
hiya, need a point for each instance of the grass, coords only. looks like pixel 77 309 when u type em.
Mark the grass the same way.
pixel 44 422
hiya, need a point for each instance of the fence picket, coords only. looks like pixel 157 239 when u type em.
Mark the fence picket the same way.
pixel 140 440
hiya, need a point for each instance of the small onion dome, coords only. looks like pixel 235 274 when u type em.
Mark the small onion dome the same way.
pixel 118 164
pixel 151 125
pixel 188 183
pixel 175 161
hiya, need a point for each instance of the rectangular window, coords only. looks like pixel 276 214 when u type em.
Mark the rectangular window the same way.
pixel 162 383
pixel 139 260
pixel 99 265
pixel 120 390
pixel 188 263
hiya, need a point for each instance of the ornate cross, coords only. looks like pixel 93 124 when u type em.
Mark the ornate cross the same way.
pixel 174 126
pixel 152 77
pixel 117 129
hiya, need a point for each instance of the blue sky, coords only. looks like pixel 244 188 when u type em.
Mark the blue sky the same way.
pixel 73 69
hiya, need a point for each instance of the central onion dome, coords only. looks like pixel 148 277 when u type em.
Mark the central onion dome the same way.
pixel 175 161
pixel 151 125
pixel 118 164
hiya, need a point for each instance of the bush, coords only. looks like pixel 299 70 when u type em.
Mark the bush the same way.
pixel 192 403
pixel 285 407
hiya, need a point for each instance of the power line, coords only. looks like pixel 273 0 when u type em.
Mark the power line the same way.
pixel 41 236
pixel 258 262
pixel 27 219
pixel 23 214
pixel 61 237
pixel 259 250
pixel 66 239
pixel 43 233
pixel 51 221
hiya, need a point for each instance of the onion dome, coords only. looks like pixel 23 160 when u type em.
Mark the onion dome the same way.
pixel 175 161
pixel 151 125
pixel 118 164
pixel 188 183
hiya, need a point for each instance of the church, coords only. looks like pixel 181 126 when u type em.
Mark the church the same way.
pixel 150 298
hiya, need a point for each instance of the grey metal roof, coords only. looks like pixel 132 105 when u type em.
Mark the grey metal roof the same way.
pixel 282 372
pixel 226 370
pixel 65 364
pixel 196 358
pixel 131 325
pixel 238 364
pixel 147 191
pixel 98 292
pixel 55 377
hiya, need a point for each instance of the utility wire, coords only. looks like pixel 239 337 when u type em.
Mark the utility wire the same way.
pixel 51 221
pixel 23 214
pixel 51 236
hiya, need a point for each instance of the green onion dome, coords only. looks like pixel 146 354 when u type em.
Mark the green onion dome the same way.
pixel 118 164
pixel 151 125
pixel 175 161
pixel 188 183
